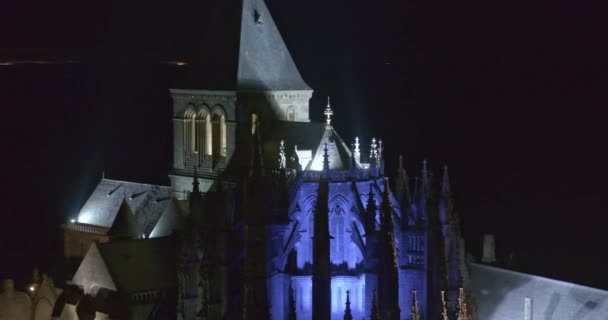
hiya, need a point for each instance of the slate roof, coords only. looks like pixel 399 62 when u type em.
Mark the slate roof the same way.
pixel 338 152
pixel 241 49
pixel 124 224
pixel 129 265
pixel 500 295
pixel 146 201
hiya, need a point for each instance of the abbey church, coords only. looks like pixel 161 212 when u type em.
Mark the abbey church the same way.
pixel 268 214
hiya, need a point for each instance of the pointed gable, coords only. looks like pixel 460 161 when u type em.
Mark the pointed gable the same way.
pixel 339 153
pixel 124 225
pixel 171 220
pixel 93 273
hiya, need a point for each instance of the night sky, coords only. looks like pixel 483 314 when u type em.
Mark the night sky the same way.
pixel 512 95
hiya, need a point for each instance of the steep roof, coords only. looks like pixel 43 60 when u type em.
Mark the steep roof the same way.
pixel 338 152
pixel 171 220
pixel 500 295
pixel 130 266
pixel 146 201
pixel 124 224
pixel 242 49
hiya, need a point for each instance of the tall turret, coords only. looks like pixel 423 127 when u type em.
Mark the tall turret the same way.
pixel 388 280
pixel 370 262
pixel 321 283
pixel 254 237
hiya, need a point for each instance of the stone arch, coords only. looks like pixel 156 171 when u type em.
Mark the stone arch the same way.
pixel 190 144
pixel 218 124
pixel 204 130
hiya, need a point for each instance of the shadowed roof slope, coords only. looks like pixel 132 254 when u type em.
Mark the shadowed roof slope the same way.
pixel 242 49
pixel 500 295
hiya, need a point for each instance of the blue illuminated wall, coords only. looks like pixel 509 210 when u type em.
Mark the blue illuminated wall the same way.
pixel 347 205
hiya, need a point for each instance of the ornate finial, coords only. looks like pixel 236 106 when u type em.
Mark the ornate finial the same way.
pixel 463 313
pixel 328 112
pixel 380 149
pixel 415 310
pixel 347 312
pixel 282 158
pixel 373 151
pixel 444 307
pixel 357 149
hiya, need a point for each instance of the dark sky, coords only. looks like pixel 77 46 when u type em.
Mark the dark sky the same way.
pixel 512 95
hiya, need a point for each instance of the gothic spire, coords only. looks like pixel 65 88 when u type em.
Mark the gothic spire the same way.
pixel 415 309
pixel 257 162
pixel 347 313
pixel 444 307
pixel 292 304
pixel 321 281
pixel 388 279
pixel 426 179
pixel 374 314
pixel 445 183
pixel 463 312
pixel 282 157
pixel 370 216
pixel 325 162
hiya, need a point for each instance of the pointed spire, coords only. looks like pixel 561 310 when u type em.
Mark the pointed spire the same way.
pixel 347 313
pixel 357 145
pixel 328 113
pixel 380 150
pixel 426 180
pixel 415 310
pixel 445 183
pixel 282 158
pixel 295 159
pixel 292 304
pixel 370 221
pixel 257 164
pixel 325 162
pixel 373 151
pixel 463 312
pixel 375 313
pixel 195 183
pixel 388 277
pixel 444 307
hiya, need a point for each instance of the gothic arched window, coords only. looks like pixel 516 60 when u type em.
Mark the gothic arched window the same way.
pixel 218 123
pixel 291 114
pixel 190 141
pixel 204 133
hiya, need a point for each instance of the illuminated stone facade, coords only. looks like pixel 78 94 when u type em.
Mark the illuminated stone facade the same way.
pixel 252 181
